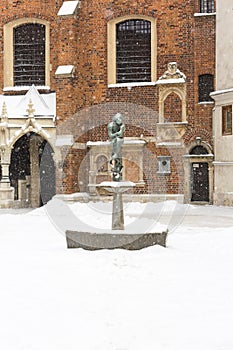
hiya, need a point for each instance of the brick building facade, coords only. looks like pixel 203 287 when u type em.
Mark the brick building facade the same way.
pixel 69 66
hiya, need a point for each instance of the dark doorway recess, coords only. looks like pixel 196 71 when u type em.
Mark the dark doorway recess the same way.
pixel 199 182
pixel 22 160
pixel 47 172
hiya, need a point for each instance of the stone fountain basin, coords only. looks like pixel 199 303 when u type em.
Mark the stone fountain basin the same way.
pixel 114 240
pixel 132 238
pixel 118 237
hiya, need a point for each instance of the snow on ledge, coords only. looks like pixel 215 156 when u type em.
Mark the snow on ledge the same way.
pixel 65 71
pixel 170 81
pixel 68 8
pixel 106 143
pixel 130 85
pixel 219 92
pixel 24 88
pixel 202 14
pixel 206 103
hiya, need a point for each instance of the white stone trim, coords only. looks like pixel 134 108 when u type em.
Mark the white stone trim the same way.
pixel 24 88
pixel 220 92
pixel 65 71
pixel 130 85
pixel 69 8
pixel 203 14
pixel 206 103
pixel 222 163
pixel 170 81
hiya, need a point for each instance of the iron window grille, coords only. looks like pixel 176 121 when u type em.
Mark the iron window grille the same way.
pixel 205 87
pixel 29 55
pixel 206 6
pixel 133 51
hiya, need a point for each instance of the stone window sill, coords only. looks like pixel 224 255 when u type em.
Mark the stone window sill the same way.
pixel 204 14
pixel 130 85
pixel 23 88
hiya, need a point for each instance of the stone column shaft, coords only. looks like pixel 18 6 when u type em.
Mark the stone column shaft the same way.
pixel 117 212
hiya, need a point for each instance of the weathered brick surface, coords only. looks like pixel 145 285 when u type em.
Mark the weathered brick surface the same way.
pixel 85 104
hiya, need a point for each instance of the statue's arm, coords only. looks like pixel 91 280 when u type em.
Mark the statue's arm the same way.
pixel 111 134
pixel 121 131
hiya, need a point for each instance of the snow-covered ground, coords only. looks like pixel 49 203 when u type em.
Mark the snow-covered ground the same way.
pixel 174 298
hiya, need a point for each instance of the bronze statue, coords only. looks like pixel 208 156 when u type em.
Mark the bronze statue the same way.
pixel 116 130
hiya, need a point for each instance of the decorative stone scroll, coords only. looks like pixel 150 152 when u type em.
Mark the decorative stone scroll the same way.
pixel 173 73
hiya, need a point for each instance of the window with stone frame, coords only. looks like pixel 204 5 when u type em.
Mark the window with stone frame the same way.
pixel 205 87
pixel 133 51
pixel 29 54
pixel 227 120
pixel 207 6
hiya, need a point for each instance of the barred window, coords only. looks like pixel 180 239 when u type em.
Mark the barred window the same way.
pixel 29 54
pixel 206 6
pixel 205 87
pixel 133 51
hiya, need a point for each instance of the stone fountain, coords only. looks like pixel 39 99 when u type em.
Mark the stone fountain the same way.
pixel 118 236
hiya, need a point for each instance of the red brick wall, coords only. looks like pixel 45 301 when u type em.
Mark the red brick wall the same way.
pixel 173 109
pixel 82 41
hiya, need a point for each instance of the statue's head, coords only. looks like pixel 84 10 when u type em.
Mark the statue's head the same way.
pixel 118 118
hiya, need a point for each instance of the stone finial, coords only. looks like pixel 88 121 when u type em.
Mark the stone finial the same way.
pixel 172 72
pixel 4 116
pixel 30 109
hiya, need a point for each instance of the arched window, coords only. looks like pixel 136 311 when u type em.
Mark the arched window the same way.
pixel 133 51
pixel 205 87
pixel 26 53
pixel 206 6
pixel 29 54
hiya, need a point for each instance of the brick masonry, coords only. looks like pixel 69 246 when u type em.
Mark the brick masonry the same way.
pixel 85 103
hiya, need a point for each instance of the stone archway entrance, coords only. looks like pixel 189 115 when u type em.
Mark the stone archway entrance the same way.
pixel 32 171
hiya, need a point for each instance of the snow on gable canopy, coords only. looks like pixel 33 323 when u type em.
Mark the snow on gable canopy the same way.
pixel 44 105
pixel 69 8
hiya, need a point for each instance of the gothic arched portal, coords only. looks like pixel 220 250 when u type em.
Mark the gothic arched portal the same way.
pixel 32 170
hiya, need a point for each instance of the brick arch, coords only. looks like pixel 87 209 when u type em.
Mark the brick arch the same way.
pixel 123 13
pixel 101 162
pixel 191 136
